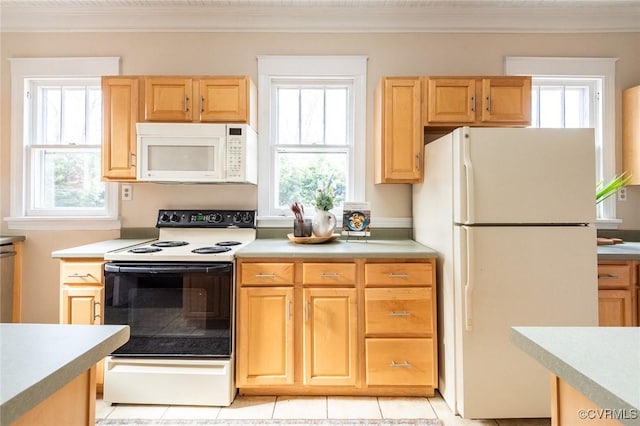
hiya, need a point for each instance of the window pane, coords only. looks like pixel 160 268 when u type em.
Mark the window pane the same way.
pixel 94 116
pixel 336 117
pixel 299 175
pixel 576 107
pixel 312 116
pixel 49 129
pixel 288 105
pixel 67 179
pixel 73 116
pixel 551 107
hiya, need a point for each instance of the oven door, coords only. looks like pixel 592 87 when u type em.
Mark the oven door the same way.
pixel 173 309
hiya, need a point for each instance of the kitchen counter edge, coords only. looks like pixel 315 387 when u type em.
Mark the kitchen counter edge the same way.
pixel 624 251
pixel 98 250
pixel 10 239
pixel 602 363
pixel 276 248
pixel 29 377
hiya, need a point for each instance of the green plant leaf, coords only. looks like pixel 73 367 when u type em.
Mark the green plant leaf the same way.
pixel 605 191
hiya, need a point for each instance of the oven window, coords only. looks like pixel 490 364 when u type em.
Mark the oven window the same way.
pixel 181 314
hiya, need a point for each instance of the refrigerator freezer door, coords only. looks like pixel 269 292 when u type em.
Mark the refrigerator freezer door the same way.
pixel 515 276
pixel 523 176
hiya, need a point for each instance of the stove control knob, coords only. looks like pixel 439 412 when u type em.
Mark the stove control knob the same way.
pixel 174 217
pixel 237 217
pixel 164 217
pixel 215 218
pixel 246 217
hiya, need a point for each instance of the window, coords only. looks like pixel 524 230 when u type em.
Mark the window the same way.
pixel 576 92
pixel 56 139
pixel 311 131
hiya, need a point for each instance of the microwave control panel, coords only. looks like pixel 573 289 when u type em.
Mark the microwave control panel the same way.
pixel 235 155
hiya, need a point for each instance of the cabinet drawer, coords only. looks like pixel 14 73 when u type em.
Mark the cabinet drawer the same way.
pixel 81 272
pixel 328 273
pixel 266 274
pixel 401 274
pixel 399 311
pixel 401 362
pixel 614 276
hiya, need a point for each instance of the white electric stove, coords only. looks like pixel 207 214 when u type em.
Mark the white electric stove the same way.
pixel 194 236
pixel 177 296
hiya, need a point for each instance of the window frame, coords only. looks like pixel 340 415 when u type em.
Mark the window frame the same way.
pixel 272 69
pixel 578 67
pixel 22 70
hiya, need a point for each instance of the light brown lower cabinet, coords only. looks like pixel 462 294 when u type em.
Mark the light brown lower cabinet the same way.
pixel 570 407
pixel 82 298
pixel 347 327
pixel 617 293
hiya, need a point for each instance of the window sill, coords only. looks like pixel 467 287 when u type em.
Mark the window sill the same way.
pixel 82 223
pixel 608 223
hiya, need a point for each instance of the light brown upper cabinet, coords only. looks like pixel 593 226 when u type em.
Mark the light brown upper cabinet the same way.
pixel 120 108
pixel 399 140
pixel 476 101
pixel 200 99
pixel 631 133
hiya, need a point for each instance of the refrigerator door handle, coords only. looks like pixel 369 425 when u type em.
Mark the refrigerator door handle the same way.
pixel 468 285
pixel 468 168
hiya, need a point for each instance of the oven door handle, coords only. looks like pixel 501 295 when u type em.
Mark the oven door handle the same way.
pixel 168 269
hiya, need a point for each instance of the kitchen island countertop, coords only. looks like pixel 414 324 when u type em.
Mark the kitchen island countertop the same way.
pixel 280 247
pixel 97 250
pixel 602 363
pixel 623 251
pixel 37 360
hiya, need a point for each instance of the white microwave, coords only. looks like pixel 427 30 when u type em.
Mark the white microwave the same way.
pixel 197 152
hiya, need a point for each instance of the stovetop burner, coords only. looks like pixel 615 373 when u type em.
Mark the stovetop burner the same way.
pixel 228 243
pixel 210 250
pixel 145 250
pixel 169 243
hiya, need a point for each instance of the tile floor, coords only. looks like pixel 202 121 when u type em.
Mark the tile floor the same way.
pixel 308 407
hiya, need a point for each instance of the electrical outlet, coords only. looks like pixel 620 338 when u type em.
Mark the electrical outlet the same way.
pixel 622 194
pixel 126 192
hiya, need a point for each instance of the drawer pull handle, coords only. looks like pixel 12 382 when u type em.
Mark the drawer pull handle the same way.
pixel 266 275
pixel 400 364
pixel 394 275
pixel 323 275
pixel 399 314
pixel 607 277
pixel 77 275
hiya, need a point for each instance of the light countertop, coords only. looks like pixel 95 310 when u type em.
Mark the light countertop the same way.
pixel 36 360
pixel 97 250
pixel 10 239
pixel 624 251
pixel 603 363
pixel 281 247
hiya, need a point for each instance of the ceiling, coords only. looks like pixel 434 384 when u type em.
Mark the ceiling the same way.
pixel 321 15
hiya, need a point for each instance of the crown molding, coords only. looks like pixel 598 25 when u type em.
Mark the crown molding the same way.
pixel 522 16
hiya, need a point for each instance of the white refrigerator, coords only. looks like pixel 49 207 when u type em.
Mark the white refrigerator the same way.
pixel 511 213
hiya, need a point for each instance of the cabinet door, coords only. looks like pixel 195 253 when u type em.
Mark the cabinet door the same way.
pixel 506 100
pixel 615 308
pixel 265 336
pixel 399 137
pixel 330 332
pixel 81 305
pixel 120 114
pixel 168 99
pixel 450 100
pixel 631 133
pixel 224 99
